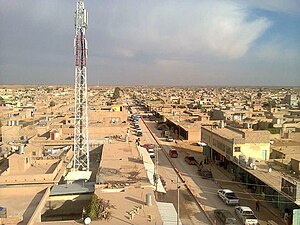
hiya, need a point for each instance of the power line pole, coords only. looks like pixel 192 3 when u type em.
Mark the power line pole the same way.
pixel 178 201
pixel 81 144
pixel 156 176
pixel 178 187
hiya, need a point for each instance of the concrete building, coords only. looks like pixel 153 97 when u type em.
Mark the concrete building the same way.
pixel 236 145
pixel 246 155
pixel 291 99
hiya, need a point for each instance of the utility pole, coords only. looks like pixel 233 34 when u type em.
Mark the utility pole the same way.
pixel 81 143
pixel 178 187
pixel 156 176
pixel 178 201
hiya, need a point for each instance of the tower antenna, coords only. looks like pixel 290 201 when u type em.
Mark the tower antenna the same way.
pixel 81 141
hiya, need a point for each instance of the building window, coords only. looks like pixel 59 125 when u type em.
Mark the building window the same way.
pixel 214 142
pixel 237 149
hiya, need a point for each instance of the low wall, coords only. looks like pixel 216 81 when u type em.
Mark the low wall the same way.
pixel 36 216
pixel 32 178
pixel 294 136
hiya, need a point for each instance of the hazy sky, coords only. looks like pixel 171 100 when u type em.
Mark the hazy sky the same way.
pixel 153 42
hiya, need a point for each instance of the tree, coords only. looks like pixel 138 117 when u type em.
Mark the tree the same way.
pixel 99 208
pixel 52 103
pixel 2 101
pixel 116 93
pixel 198 106
pixel 262 125
pixel 259 94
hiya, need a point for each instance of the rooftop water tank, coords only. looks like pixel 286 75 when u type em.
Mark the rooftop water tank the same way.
pixel 148 199
pixel 56 135
pixel 21 149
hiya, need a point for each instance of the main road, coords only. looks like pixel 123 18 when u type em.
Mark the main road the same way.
pixel 189 212
pixel 204 190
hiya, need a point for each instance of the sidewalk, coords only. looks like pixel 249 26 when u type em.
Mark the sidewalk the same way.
pixel 221 175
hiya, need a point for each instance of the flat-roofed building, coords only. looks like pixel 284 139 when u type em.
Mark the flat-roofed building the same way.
pixel 236 144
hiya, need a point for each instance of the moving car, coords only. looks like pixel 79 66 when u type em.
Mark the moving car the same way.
pixel 246 215
pixel 190 160
pixel 224 216
pixel 173 153
pixel 228 196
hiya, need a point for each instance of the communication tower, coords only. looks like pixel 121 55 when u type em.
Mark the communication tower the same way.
pixel 81 141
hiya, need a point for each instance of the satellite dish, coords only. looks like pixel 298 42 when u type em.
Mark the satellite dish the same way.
pixel 87 220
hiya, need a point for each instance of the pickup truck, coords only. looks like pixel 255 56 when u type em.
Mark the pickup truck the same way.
pixel 173 153
pixel 228 196
pixel 190 160
pixel 246 215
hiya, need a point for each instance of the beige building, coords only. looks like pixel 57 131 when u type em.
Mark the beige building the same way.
pixel 10 133
pixel 237 145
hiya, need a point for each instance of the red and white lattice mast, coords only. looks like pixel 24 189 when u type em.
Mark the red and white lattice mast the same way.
pixel 81 141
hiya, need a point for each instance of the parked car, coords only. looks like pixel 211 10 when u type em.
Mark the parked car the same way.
pixel 205 173
pixel 139 133
pixel 202 144
pixel 228 196
pixel 246 215
pixel 151 153
pixel 148 146
pixel 224 216
pixel 190 160
pixel 173 153
pixel 169 139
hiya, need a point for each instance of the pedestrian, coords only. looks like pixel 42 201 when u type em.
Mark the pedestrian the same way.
pixel 257 205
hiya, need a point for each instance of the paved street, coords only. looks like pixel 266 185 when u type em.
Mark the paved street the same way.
pixel 205 190
pixel 190 213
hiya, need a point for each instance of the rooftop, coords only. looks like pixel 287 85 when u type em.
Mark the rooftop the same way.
pixel 126 201
pixel 21 201
pixel 226 133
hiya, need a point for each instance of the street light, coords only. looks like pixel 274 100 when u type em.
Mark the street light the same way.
pixel 177 201
pixel 178 208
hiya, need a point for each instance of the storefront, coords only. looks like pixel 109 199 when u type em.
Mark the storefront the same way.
pixel 255 185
